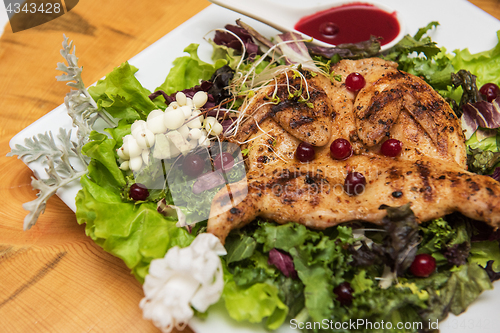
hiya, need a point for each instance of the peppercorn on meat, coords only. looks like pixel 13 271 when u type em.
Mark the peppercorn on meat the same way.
pixel 430 172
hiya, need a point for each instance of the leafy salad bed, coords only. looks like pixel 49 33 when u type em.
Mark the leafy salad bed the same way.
pixel 277 273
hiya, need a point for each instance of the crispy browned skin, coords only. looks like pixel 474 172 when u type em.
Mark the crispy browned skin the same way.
pixel 430 173
pixel 301 108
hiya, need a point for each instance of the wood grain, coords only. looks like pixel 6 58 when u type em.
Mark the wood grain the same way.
pixel 53 277
pixel 490 6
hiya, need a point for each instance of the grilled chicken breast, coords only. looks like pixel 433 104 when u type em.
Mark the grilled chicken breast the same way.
pixel 430 173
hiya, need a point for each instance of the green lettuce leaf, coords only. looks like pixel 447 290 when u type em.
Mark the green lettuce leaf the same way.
pixel 136 234
pixel 320 260
pixel 282 237
pixel 118 132
pixel 122 95
pixel 464 286
pixel 484 251
pixel 254 303
pixel 225 53
pixel 453 291
pixel 395 304
pixel 485 65
pixel 103 168
pixel 419 43
pixel 361 283
pixel 437 234
pixel 239 247
pixel 188 71
pixel 317 278
pixel 431 62
pixel 489 143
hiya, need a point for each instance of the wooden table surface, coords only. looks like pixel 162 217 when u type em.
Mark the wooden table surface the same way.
pixel 53 278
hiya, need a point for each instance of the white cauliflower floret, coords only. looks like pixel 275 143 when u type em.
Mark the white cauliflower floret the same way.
pixel 184 278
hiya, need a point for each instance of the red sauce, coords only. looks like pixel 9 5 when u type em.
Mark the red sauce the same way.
pixel 350 23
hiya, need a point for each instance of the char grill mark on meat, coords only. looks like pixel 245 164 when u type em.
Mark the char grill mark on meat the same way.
pixel 430 172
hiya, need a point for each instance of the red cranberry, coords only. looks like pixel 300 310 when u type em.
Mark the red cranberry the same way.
pixel 224 161
pixel 340 149
pixel 490 91
pixel 355 82
pixel 305 152
pixel 138 192
pixel 423 265
pixel 328 29
pixel 391 148
pixel 193 165
pixel 354 183
pixel 344 293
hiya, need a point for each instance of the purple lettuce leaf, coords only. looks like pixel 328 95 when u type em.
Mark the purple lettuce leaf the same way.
pixel 496 174
pixel 470 94
pixel 204 86
pixel 255 34
pixel 295 50
pixel 221 80
pixel 481 114
pixel 483 232
pixel 229 40
pixel 208 181
pixel 491 273
pixel 457 254
pixel 283 261
pixel 226 123
pixel 364 49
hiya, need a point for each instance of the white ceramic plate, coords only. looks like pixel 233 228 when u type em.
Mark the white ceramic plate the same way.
pixel 462 26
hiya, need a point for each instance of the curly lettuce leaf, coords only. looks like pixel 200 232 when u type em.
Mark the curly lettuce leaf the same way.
pixel 227 53
pixel 188 71
pixel 136 234
pixel 395 304
pixel 419 43
pixel 361 283
pixel 257 269
pixel 197 205
pixel 437 234
pixel 249 265
pixel 239 247
pixel 254 270
pixel 103 167
pixel 484 251
pixel 486 144
pixel 317 278
pixel 282 237
pixel 122 95
pixel 464 285
pixel 485 65
pixel 254 303
pixel 431 62
pixel 447 240
pixel 482 162
pixel 320 260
